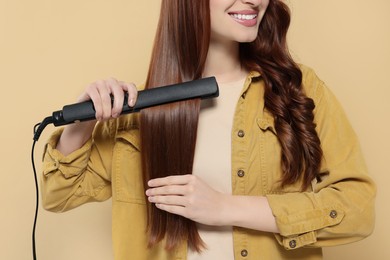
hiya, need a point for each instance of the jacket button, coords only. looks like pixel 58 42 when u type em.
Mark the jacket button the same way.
pixel 333 214
pixel 241 133
pixel 244 253
pixel 293 244
pixel 240 173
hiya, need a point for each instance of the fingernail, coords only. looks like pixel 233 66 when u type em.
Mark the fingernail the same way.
pixel 131 102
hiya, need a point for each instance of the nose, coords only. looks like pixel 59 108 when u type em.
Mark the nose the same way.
pixel 252 2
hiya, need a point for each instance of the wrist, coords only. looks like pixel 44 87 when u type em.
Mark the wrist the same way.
pixel 251 212
pixel 225 210
pixel 74 136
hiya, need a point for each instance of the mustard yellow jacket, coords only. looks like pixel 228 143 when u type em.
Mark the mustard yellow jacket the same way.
pixel 338 208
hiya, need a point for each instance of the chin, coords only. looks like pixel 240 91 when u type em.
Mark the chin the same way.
pixel 246 39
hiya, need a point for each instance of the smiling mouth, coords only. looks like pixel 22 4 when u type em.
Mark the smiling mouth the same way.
pixel 244 16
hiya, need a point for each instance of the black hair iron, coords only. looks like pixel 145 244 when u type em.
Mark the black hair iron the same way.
pixel 84 111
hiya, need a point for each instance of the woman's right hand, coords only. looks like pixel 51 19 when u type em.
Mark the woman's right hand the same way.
pixel 100 92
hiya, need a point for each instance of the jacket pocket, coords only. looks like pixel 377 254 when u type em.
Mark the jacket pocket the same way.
pixel 127 177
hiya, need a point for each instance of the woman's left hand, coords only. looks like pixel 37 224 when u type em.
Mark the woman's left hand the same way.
pixel 188 196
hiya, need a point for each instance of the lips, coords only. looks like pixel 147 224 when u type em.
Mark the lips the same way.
pixel 247 18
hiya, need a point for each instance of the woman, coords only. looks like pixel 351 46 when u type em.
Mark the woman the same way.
pixel 276 173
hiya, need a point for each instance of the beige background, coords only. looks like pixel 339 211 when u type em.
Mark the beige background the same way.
pixel 50 50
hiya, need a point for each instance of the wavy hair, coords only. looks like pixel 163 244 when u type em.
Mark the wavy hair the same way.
pixel 284 97
pixel 168 132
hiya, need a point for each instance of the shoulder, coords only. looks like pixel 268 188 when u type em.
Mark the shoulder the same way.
pixel 326 102
pixel 313 86
pixel 310 78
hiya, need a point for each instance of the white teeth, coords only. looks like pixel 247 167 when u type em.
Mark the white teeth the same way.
pixel 244 16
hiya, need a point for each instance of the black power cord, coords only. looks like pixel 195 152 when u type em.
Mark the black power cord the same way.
pixel 36 202
pixel 38 128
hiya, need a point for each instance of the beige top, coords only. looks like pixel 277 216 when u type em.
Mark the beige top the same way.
pixel 212 163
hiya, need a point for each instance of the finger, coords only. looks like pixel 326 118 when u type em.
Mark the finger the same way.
pixel 167 190
pixel 132 93
pixel 171 180
pixel 168 200
pixel 92 93
pixel 104 92
pixel 118 94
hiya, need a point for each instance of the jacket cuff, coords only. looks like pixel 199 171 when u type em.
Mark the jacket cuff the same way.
pixel 72 164
pixel 298 218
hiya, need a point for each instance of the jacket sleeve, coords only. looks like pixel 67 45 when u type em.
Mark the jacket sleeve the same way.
pixel 80 177
pixel 340 207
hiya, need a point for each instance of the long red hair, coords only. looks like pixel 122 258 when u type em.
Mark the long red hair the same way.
pixel 168 133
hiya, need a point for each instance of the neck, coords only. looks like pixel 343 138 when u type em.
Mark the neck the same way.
pixel 223 62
